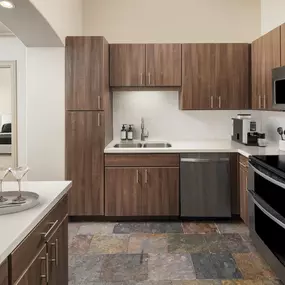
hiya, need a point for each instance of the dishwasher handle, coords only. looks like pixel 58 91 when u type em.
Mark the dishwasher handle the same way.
pixel 223 159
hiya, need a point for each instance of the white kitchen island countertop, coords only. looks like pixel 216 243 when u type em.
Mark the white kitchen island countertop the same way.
pixel 15 227
pixel 199 146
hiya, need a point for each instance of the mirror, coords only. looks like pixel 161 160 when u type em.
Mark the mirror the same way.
pixel 8 111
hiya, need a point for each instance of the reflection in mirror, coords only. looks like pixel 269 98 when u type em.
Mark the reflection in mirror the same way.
pixel 8 134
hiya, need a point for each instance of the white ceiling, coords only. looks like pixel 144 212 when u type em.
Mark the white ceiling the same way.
pixel 4 30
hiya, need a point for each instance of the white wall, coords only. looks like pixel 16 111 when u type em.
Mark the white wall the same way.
pixel 272 14
pixel 5 91
pixel 12 48
pixel 172 20
pixel 165 121
pixel 45 113
pixel 65 16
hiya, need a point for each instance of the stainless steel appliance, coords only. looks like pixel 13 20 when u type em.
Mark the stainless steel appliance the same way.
pixel 245 131
pixel 278 88
pixel 205 185
pixel 266 190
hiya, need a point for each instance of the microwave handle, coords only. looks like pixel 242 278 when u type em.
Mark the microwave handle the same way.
pixel 274 216
pixel 268 178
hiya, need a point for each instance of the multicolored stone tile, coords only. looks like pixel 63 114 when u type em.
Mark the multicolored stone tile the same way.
pixel 252 266
pixel 165 227
pixel 248 242
pixel 80 244
pixel 148 243
pixel 109 244
pixel 84 269
pixel 128 228
pixel 235 227
pixel 72 231
pixel 199 228
pixel 170 267
pixel 125 267
pixel 250 282
pixel 215 266
pixel 216 243
pixel 181 243
pixel 96 228
pixel 196 282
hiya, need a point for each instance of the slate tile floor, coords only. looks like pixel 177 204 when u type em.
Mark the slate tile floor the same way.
pixel 167 253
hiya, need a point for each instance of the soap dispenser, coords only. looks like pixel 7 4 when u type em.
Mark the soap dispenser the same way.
pixel 123 133
pixel 130 133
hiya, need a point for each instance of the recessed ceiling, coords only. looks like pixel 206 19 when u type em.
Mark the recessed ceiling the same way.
pixel 4 31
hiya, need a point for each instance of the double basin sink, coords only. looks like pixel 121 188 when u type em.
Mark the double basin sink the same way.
pixel 142 145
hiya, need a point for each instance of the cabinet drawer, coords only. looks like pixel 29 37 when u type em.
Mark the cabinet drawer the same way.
pixel 243 161
pixel 4 273
pixel 22 256
pixel 141 160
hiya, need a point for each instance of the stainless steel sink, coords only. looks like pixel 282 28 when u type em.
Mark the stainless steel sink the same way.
pixel 157 145
pixel 128 145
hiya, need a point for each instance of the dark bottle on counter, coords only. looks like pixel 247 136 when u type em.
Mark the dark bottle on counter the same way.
pixel 123 133
pixel 130 133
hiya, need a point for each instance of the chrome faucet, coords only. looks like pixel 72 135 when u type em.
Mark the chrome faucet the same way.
pixel 144 133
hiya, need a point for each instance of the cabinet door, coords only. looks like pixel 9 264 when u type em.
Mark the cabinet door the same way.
pixel 256 66
pixel 163 65
pixel 58 255
pixel 232 74
pixel 4 273
pixel 197 77
pixel 127 65
pixel 36 273
pixel 271 57
pixel 122 191
pixel 243 173
pixel 160 193
pixel 85 162
pixel 283 45
pixel 86 72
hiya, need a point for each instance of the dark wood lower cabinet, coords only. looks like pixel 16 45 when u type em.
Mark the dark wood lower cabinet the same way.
pixel 137 191
pixel 4 273
pixel 37 271
pixel 243 173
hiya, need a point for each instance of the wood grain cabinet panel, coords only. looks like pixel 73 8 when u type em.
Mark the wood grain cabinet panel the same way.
pixel 87 72
pixel 243 173
pixel 85 162
pixel 197 76
pixel 163 65
pixel 4 273
pixel 160 191
pixel 122 191
pixel 127 65
pixel 282 31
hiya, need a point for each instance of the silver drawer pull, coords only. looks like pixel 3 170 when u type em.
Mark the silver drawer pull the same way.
pixel 53 225
pixel 204 160
pixel 55 244
pixel 46 275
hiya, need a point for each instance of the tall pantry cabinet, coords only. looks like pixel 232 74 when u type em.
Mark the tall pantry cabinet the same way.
pixel 88 122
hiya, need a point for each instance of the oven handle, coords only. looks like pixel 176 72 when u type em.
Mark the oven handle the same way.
pixel 268 178
pixel 273 216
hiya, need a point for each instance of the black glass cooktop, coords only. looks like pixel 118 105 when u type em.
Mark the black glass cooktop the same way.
pixel 271 161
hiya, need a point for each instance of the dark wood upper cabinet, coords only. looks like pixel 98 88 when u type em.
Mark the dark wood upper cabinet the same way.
pixel 85 162
pixel 282 31
pixel 127 65
pixel 163 64
pixel 197 77
pixel 122 191
pixel 215 76
pixel 160 191
pixel 87 73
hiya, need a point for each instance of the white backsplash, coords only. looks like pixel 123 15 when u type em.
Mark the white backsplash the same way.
pixel 165 121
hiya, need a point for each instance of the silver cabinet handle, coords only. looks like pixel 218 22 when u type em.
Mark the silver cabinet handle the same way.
pixel 220 102
pixel 212 102
pixel 55 244
pixel 145 176
pixel 264 102
pixel 99 102
pixel 259 102
pixel 204 159
pixel 99 119
pixel 141 78
pixel 46 275
pixel 149 78
pixel 137 176
pixel 53 225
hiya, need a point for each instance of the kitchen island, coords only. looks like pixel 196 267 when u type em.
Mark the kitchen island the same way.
pixel 34 243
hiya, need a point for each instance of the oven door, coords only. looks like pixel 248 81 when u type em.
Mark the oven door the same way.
pixel 267 216
pixel 278 88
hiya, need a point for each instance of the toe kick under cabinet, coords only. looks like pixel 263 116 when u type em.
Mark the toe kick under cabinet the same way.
pixel 141 185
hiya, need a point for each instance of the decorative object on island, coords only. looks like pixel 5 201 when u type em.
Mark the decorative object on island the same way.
pixel 18 173
pixel 3 173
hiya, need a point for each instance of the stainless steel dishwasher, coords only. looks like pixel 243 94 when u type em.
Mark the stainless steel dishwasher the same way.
pixel 205 185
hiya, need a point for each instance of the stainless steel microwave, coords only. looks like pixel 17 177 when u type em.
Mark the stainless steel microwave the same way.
pixel 278 88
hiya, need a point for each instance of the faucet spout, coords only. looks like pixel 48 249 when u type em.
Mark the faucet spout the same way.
pixel 144 133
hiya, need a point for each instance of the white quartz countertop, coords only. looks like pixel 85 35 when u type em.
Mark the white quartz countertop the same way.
pixel 200 146
pixel 15 227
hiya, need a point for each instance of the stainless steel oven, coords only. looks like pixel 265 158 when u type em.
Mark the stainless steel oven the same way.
pixel 266 190
pixel 278 88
